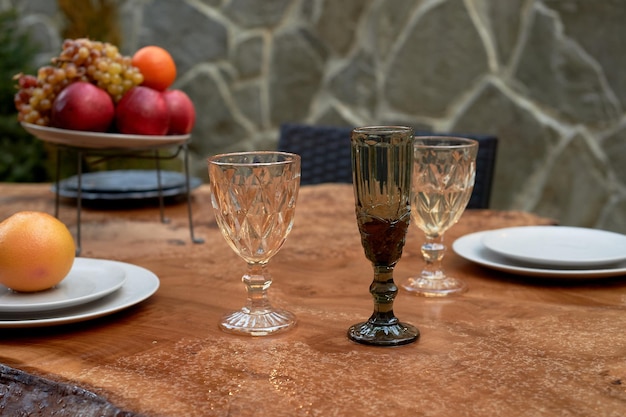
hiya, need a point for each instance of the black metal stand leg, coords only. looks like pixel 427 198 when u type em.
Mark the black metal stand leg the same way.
pixel 79 198
pixel 160 188
pixel 57 184
pixel 188 191
pixel 79 191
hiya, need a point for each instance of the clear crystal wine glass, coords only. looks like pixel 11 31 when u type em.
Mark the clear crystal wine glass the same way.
pixel 381 166
pixel 254 195
pixel 442 183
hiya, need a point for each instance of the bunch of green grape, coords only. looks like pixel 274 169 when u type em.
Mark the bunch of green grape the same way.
pixel 82 59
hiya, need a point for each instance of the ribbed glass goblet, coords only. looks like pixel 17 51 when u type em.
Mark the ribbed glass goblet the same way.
pixel 381 166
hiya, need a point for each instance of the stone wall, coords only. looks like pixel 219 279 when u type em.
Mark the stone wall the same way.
pixel 545 76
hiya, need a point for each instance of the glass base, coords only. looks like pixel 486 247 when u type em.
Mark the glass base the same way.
pixel 439 287
pixel 396 334
pixel 247 323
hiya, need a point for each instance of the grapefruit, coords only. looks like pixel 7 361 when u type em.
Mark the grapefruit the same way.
pixel 36 251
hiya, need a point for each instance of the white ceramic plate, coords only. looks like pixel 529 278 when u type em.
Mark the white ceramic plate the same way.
pixel 86 281
pixel 558 246
pixel 96 140
pixel 140 284
pixel 471 248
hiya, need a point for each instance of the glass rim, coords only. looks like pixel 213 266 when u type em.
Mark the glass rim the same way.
pixel 290 158
pixel 382 128
pixel 455 142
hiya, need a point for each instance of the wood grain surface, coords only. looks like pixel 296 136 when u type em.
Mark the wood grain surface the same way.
pixel 511 346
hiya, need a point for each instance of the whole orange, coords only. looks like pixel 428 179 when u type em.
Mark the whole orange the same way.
pixel 156 65
pixel 36 251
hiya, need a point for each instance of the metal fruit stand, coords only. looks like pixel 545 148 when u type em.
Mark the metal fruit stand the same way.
pixel 109 145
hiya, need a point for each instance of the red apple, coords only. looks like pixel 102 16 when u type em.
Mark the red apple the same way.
pixel 182 112
pixel 142 111
pixel 83 106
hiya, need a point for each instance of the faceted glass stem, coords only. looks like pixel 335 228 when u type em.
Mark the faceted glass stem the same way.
pixel 383 328
pixel 433 281
pixel 257 317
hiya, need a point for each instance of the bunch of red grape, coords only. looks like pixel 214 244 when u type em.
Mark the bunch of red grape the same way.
pixel 99 63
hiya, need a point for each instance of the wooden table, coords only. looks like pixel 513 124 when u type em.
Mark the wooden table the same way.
pixel 511 346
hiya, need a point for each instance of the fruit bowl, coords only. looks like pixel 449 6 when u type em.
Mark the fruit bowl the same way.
pixel 97 140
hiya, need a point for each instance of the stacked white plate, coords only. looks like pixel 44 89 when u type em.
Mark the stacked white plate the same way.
pixel 547 251
pixel 93 288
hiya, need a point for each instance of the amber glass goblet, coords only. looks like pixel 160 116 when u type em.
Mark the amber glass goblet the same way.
pixel 381 166
pixel 443 179
pixel 254 200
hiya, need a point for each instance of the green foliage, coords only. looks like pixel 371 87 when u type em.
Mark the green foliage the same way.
pixel 23 157
pixel 16 55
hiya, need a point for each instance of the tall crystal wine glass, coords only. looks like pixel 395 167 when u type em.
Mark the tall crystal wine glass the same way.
pixel 254 200
pixel 381 166
pixel 443 179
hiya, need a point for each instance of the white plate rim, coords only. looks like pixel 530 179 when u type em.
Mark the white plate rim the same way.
pixel 99 140
pixel 111 279
pixel 518 243
pixel 140 284
pixel 470 247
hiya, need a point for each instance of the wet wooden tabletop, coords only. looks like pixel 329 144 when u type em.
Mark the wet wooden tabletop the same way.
pixel 511 346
